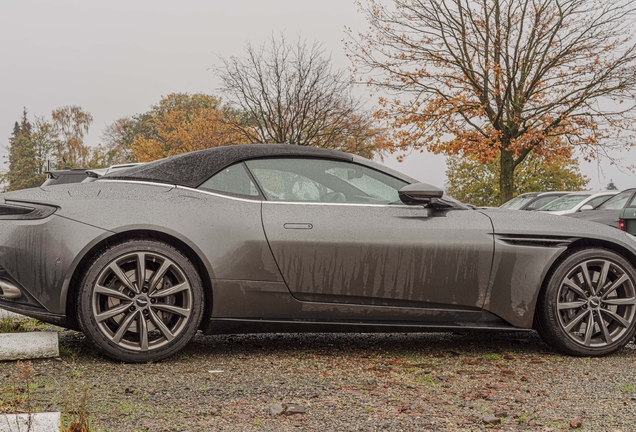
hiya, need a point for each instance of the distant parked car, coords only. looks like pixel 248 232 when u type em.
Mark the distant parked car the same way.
pixel 609 212
pixel 532 200
pixel 94 174
pixel 576 202
pixel 65 176
pixel 627 218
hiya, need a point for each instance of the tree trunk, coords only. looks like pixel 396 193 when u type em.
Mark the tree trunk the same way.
pixel 506 175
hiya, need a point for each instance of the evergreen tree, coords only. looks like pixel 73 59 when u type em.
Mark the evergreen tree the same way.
pixel 23 165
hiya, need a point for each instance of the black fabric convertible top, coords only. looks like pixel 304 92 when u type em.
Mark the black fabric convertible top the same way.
pixel 194 168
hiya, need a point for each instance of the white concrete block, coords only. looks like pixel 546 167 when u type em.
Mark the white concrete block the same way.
pixel 8 314
pixel 32 345
pixel 39 422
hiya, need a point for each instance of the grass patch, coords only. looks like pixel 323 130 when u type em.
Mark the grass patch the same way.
pixel 20 325
pixel 76 413
pixel 493 356
pixel 15 395
pixel 68 353
pixel 426 379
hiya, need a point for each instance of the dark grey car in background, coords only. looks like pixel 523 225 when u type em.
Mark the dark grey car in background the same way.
pixel 609 212
pixel 65 176
pixel 277 238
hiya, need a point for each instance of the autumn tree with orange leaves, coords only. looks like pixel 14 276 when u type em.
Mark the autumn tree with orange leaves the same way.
pixel 498 80
pixel 179 123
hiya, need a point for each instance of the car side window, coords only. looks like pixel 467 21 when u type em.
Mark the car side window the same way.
pixel 541 202
pixel 323 180
pixel 234 180
pixel 632 202
pixel 598 201
pixel 617 202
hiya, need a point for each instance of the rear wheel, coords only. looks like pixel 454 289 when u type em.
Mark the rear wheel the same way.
pixel 140 300
pixel 589 305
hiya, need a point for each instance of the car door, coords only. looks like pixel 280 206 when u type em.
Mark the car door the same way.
pixel 339 233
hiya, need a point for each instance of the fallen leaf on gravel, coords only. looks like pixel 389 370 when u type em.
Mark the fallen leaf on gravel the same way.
pixel 423 365
pixel 576 423
pixel 471 362
pixel 490 419
pixel 294 409
pixel 507 372
pixel 288 409
pixel 147 424
pixel 276 409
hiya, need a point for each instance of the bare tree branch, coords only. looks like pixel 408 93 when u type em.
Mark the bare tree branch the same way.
pixel 290 93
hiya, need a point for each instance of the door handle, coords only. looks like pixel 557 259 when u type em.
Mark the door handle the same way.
pixel 298 226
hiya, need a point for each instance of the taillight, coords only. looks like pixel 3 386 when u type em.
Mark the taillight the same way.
pixel 621 224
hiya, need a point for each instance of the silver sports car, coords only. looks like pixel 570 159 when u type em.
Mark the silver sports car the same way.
pixel 280 238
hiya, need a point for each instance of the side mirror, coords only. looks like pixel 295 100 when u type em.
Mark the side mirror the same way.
pixel 586 207
pixel 419 193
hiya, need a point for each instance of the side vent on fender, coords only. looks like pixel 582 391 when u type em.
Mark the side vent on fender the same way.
pixel 535 240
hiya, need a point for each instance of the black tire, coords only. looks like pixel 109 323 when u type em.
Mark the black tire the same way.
pixel 592 315
pixel 133 323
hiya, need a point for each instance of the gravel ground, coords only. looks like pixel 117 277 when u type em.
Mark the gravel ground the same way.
pixel 351 382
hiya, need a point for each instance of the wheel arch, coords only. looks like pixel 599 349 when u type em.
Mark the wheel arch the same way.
pixel 582 243
pixel 71 285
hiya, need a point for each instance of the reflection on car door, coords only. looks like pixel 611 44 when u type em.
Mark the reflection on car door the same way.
pixel 384 255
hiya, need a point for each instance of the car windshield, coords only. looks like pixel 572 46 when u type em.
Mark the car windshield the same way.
pixel 617 202
pixel 540 202
pixel 567 202
pixel 518 202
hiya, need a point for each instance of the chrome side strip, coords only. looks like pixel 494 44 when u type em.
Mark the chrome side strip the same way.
pixel 253 200
pixel 339 204
pixel 218 194
pixel 291 202
pixel 147 183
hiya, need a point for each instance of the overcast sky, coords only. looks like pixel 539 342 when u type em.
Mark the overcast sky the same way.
pixel 118 57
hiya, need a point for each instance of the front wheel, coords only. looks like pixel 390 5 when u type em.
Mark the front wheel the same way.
pixel 588 307
pixel 140 300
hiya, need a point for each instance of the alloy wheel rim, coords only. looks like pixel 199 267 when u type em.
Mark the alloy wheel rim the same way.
pixel 141 301
pixel 596 303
